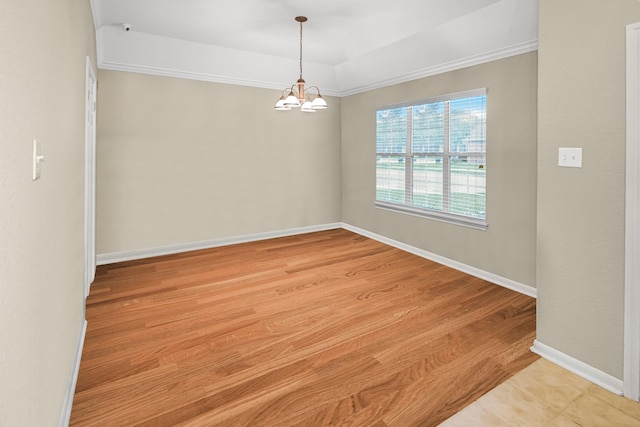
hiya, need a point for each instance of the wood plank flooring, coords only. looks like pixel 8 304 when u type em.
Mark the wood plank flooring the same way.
pixel 327 328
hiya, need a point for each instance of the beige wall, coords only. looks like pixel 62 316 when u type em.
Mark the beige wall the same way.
pixel 43 45
pixel 182 161
pixel 507 248
pixel 581 211
pixel 172 152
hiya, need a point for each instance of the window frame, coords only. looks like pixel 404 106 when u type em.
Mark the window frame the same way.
pixel 408 155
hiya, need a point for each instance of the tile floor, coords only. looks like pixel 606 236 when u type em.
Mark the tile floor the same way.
pixel 545 394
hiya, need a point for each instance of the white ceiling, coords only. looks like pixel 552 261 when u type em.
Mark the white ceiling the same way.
pixel 349 46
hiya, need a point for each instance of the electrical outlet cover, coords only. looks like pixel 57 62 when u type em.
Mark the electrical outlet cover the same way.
pixel 570 157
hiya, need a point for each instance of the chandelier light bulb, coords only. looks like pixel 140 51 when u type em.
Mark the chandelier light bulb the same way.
pixel 319 103
pixel 307 106
pixel 291 100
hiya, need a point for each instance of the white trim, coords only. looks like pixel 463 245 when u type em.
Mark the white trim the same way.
pixel 90 177
pixel 477 224
pixel 632 220
pixel 493 278
pixel 447 67
pixel 415 75
pixel 482 91
pixel 191 75
pixel 110 258
pixel 587 372
pixel 73 378
pixel 114 257
pixel 96 13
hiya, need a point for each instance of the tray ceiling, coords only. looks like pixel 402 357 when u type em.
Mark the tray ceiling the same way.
pixel 349 46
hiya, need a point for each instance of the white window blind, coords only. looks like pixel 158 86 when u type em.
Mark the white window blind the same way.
pixel 431 158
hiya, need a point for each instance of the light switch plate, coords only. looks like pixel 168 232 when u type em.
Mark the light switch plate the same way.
pixel 570 157
pixel 37 159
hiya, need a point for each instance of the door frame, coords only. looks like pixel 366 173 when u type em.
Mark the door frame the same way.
pixel 631 377
pixel 90 177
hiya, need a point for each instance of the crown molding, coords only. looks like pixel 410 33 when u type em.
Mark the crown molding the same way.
pixel 191 75
pixel 427 72
pixel 96 13
pixel 514 50
pixel 162 56
pixel 138 53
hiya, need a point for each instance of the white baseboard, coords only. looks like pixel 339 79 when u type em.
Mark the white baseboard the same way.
pixel 114 257
pixel 490 277
pixel 587 372
pixel 73 378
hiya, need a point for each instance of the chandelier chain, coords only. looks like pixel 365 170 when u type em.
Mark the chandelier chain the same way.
pixel 301 49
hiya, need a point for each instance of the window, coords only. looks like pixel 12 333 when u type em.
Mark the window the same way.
pixel 431 158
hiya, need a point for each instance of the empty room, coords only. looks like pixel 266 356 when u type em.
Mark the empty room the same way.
pixel 298 213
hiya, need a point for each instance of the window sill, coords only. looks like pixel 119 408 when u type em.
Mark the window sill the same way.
pixel 477 224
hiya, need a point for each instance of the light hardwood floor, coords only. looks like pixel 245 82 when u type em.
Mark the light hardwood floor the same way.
pixel 327 328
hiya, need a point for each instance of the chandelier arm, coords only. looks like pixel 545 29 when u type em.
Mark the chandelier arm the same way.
pixel 316 88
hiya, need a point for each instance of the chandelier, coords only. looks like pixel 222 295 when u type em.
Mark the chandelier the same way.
pixel 297 96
